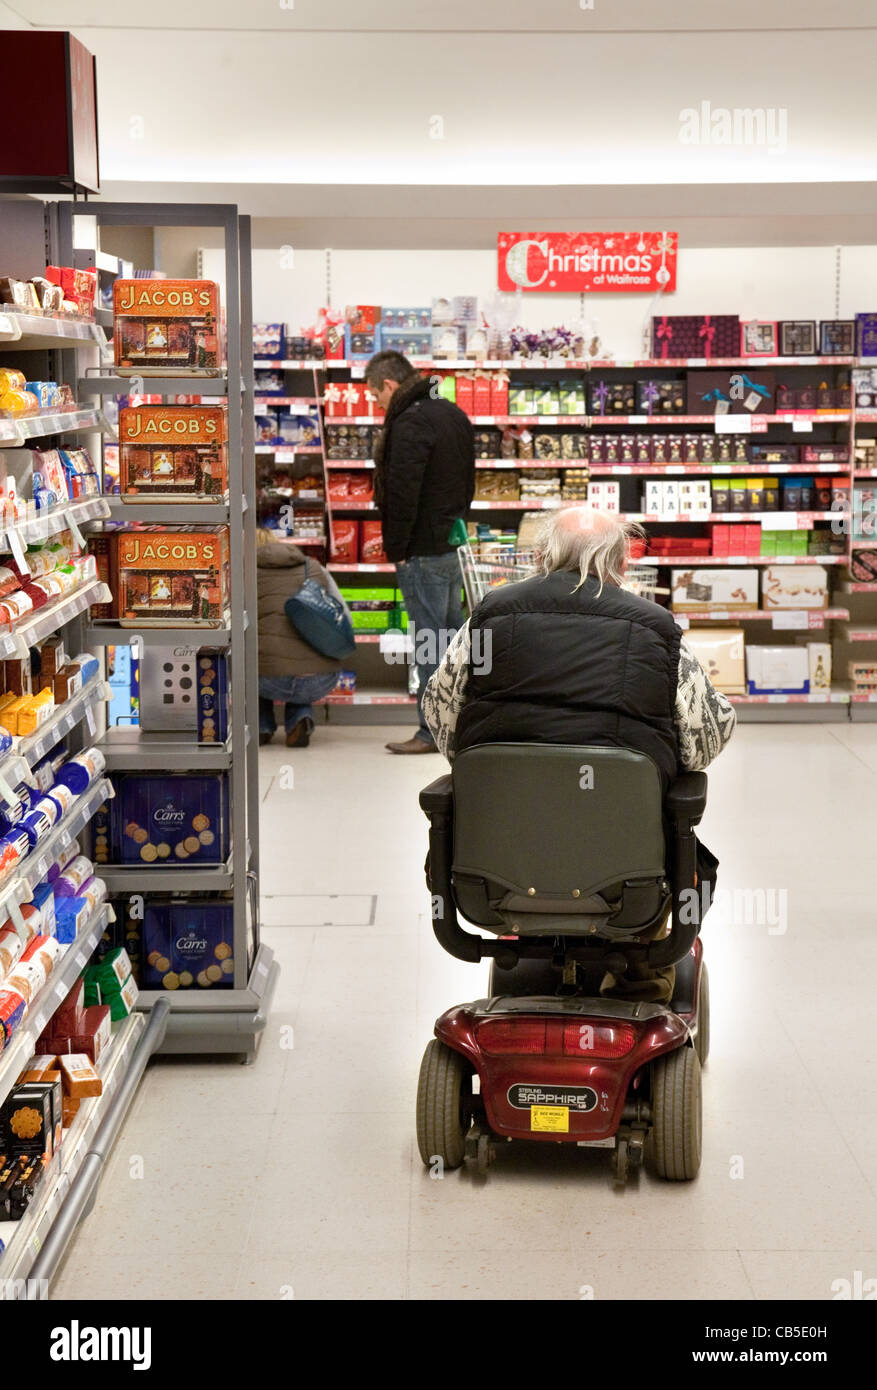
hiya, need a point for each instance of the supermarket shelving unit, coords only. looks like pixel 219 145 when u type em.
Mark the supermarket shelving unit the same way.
pixel 57 348
pixel 839 704
pixel 227 1020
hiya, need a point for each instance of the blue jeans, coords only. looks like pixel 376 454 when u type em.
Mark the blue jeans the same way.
pixel 299 692
pixel 431 587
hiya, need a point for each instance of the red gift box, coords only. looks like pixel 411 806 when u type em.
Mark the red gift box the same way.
pixel 721 539
pixel 372 544
pixel 332 399
pixel 352 399
pixel 499 393
pixel 751 537
pixel 339 486
pixel 466 393
pixel 481 394
pixel 345 542
pixel 369 406
pixel 363 318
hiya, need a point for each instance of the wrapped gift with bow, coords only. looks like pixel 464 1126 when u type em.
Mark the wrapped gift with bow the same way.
pixel 332 398
pixel 351 398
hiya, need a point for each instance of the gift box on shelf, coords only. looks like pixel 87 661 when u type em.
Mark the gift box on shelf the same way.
pixel 695 335
pixel 499 394
pixel 726 587
pixel 720 651
pixel 482 403
pixel 345 541
pixel 268 339
pixel 866 335
pixel 837 337
pixel 795 586
pixel 777 670
pixel 372 543
pixel 758 338
pixel 731 391
pixel 797 337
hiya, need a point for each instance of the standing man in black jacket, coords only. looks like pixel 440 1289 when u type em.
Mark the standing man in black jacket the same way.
pixel 424 481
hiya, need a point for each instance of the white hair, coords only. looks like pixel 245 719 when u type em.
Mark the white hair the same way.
pixel 586 542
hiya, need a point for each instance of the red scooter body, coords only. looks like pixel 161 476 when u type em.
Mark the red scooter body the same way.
pixel 557 1069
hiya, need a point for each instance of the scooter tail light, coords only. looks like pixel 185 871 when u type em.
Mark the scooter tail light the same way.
pixel 519 1037
pixel 600 1040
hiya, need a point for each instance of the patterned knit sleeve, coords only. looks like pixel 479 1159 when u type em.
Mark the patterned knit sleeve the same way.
pixel 705 719
pixel 445 693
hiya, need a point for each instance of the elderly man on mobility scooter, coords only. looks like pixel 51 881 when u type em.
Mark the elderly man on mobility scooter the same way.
pixel 567 829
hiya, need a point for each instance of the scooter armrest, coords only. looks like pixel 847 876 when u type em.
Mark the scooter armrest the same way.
pixel 438 797
pixel 686 797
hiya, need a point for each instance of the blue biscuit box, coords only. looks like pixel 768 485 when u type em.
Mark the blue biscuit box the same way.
pixel 169 819
pixel 188 944
pixel 212 696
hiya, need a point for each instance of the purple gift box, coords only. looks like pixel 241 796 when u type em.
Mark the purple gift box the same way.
pixel 867 334
pixel 695 335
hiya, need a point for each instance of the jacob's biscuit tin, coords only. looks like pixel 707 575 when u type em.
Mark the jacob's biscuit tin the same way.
pixel 167 452
pixel 166 327
pixel 169 578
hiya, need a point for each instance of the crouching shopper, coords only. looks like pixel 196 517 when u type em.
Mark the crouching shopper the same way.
pixel 289 668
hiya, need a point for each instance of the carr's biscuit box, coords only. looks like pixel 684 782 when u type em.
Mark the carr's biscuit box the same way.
pixel 188 944
pixel 166 327
pixel 167 452
pixel 170 818
pixel 172 578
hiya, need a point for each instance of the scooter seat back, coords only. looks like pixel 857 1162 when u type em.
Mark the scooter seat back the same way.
pixel 558 838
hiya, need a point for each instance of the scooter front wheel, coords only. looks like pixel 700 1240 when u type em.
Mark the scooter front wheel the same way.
pixel 444 1105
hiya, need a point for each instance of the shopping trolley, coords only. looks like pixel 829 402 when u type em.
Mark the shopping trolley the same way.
pixel 488 565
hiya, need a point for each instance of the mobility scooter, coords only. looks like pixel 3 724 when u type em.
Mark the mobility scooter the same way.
pixel 568 856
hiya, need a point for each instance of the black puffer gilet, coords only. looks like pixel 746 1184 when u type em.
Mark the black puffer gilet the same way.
pixel 572 666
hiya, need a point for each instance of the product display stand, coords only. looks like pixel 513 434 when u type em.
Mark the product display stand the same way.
pixel 227 1020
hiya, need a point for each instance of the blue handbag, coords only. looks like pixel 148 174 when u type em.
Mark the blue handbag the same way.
pixel 321 620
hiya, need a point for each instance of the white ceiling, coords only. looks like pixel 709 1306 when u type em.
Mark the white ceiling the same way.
pixel 271 94
pixel 442 16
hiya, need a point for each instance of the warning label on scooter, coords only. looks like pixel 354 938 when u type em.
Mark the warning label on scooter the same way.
pixel 524 1096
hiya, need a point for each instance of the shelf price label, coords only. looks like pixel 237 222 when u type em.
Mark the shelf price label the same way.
pixel 792 621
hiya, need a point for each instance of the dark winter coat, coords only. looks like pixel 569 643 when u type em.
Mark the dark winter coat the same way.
pixel 424 471
pixel 573 667
pixel 280 573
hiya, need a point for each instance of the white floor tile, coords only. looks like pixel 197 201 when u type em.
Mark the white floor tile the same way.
pixel 324 1120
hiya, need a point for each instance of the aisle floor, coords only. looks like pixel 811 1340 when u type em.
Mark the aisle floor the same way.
pixel 299 1176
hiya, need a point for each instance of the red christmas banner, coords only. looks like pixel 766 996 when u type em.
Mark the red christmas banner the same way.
pixel 603 262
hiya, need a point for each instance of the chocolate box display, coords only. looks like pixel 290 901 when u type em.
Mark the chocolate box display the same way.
pixel 758 338
pixel 188 943
pixel 733 391
pixel 167 452
pixel 166 327
pixel 170 818
pixel 797 337
pixel 167 578
pixel 837 337
pixel 695 335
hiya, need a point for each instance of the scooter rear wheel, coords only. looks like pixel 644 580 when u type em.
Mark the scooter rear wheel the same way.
pixel 675 1146
pixel 444 1105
